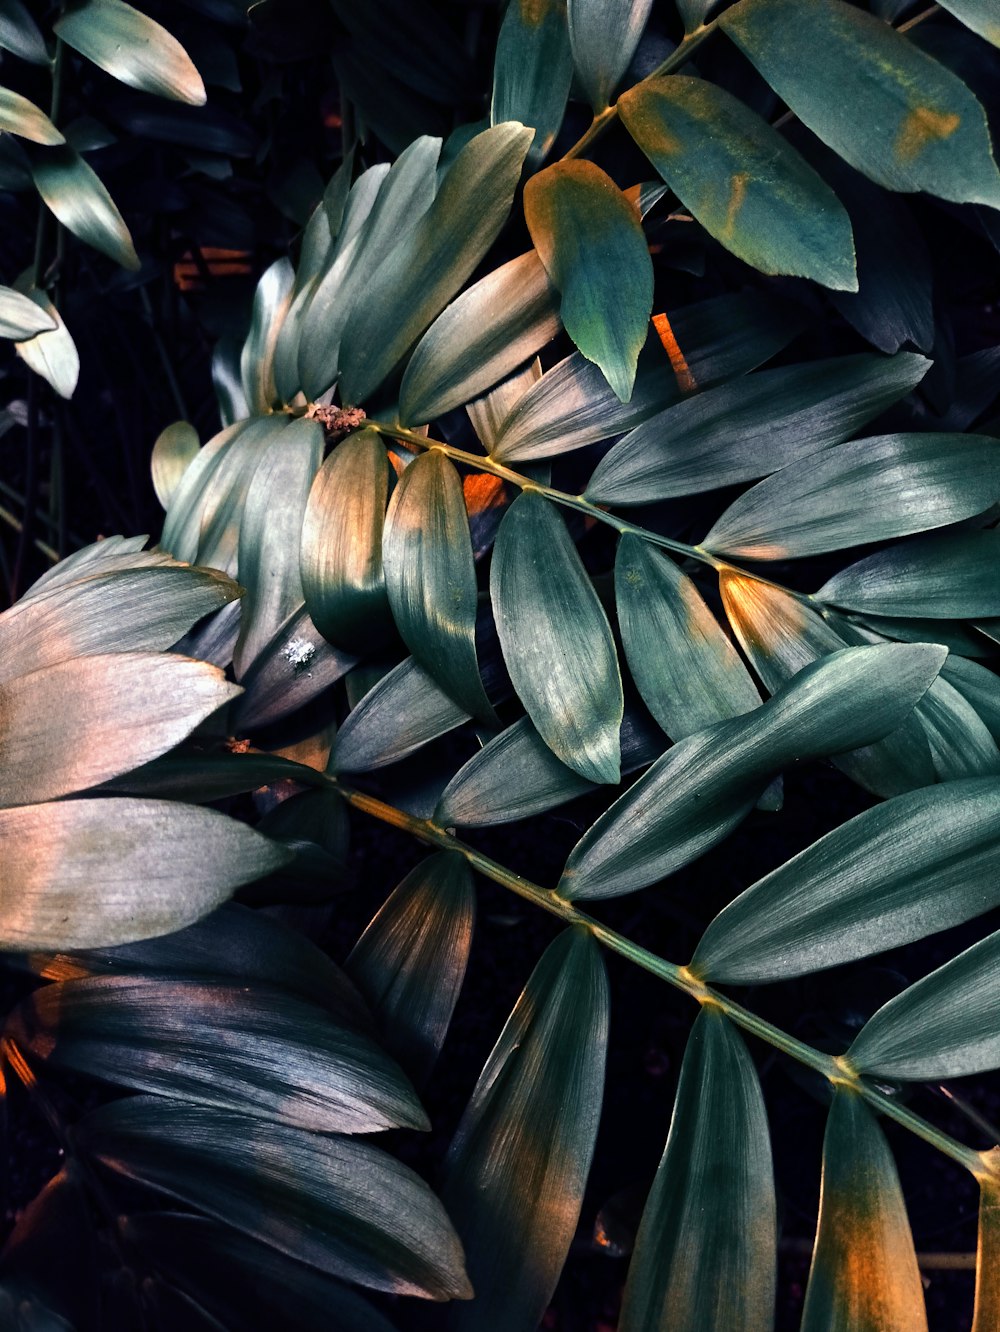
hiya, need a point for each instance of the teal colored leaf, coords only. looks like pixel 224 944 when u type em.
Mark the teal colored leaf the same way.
pixel 288 672
pixel 960 742
pixel 703 787
pixel 489 412
pixel 938 577
pixel 22 317
pixel 484 335
pixel 978 686
pixel 945 1026
pixel 270 305
pixel 21 117
pixel 217 513
pixel 227 383
pixel 410 962
pixel 875 98
pixel 979 15
pixel 864 491
pixel 556 640
pixel 706 1252
pixel 75 194
pixel 332 1202
pixel 518 1165
pixel 590 239
pixel 403 712
pixel 686 669
pixel 604 35
pixel 864 1271
pixel 175 449
pixel 694 12
pixel 573 405
pixel 19 33
pixel 533 70
pixel 131 48
pixel 341 552
pixel 95 872
pixel 51 354
pixel 419 277
pixel 182 524
pixel 741 180
pixel 430 578
pixel 920 863
pixel 751 426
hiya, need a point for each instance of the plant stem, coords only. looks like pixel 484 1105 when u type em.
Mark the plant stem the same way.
pixel 835 1069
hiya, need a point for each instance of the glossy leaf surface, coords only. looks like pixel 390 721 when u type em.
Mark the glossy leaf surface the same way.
pixel 131 48
pixel 175 448
pixel 21 317
pixel 937 577
pixel 51 354
pixel 404 711
pixel 533 70
pixel 21 117
pixel 604 35
pixel 74 192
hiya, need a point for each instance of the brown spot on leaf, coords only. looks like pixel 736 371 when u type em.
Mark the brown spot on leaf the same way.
pixel 923 125
pixel 737 195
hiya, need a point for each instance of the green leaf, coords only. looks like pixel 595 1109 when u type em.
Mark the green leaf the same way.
pixel 260 1051
pixel 226 382
pixel 556 640
pixel 590 239
pixel 182 525
pixel 706 785
pixel 864 1271
pixel 52 355
pixel 131 48
pixel 484 335
pixel 694 12
pixel 978 686
pixel 73 725
pixel 864 491
pixel 751 426
pixel 873 96
pixel 945 1026
pixel 533 70
pixel 270 306
pixel 961 745
pixel 920 863
pixel 604 35
pixel 21 317
pixel 288 672
pixel 21 117
pixel 269 534
pixel 573 405
pixel 686 669
pixel 489 412
pixel 403 712
pixel 979 15
pixel 175 449
pixel 706 1251
pixel 216 511
pixel 741 180
pixel 430 578
pixel 518 1165
pixel 987 1310
pixel 87 873
pixel 331 1202
pixel 19 33
pixel 75 194
pixel 942 576
pixel 419 277
pixel 410 962
pixel 341 552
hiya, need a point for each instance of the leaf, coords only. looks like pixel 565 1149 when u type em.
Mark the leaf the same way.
pixel 20 35
pixel 741 180
pixel 335 1203
pixel 573 405
pixel 706 785
pixel 874 97
pixel 590 239
pixel 864 1270
pixel 21 317
pixel 978 686
pixel 290 670
pixel 430 578
pixel 533 70
pixel 52 355
pixel 945 1026
pixel 21 117
pixel 751 426
pixel 946 575
pixel 410 962
pixel 175 449
pixel 518 1165
pixel 979 15
pixel 403 712
pixel 483 335
pixel 863 491
pixel 961 745
pixel 217 506
pixel 418 278
pixel 920 863
pixel 131 48
pixel 270 306
pixel 75 194
pixel 706 1251
pixel 208 1042
pixel 145 609
pixel 73 725
pixel 88 873
pixel 269 533
pixel 604 35
pixel 987 1309
pixel 556 640
pixel 489 412
pixel 227 383
pixel 686 669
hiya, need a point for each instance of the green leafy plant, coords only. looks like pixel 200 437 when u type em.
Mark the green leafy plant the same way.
pixel 494 515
